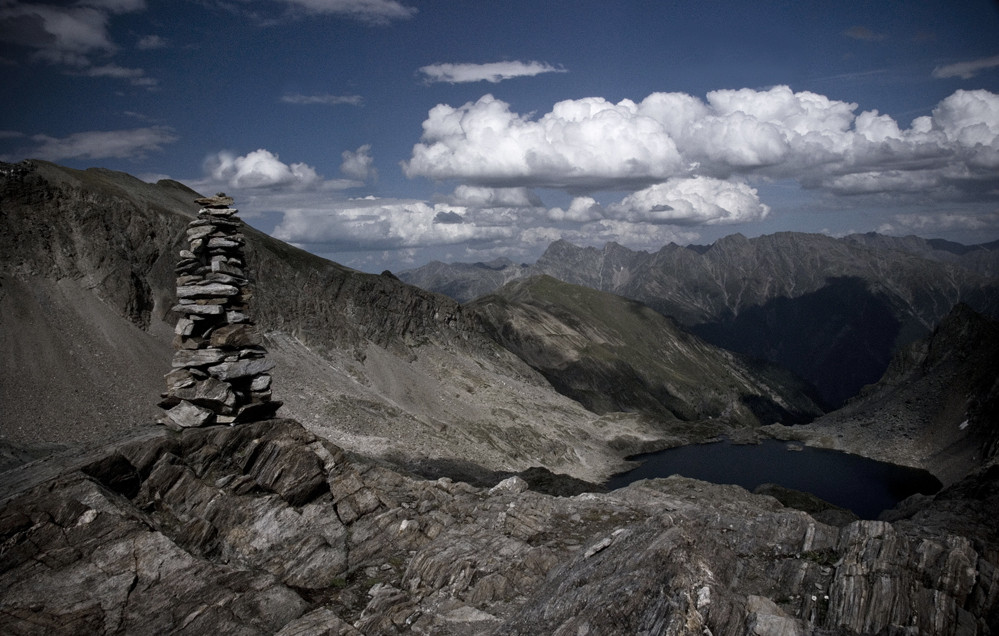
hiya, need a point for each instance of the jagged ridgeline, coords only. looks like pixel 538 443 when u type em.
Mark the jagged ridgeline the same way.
pixel 220 367
pixel 831 310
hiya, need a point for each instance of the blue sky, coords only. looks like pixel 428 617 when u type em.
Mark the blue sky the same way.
pixel 386 133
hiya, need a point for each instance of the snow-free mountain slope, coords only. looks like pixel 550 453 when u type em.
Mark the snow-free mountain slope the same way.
pixel 614 354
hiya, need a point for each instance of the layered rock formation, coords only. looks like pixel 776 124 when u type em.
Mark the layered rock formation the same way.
pixel 264 528
pixel 219 369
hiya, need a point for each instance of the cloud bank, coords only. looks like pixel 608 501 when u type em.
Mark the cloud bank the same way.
pixel 592 144
pixel 638 173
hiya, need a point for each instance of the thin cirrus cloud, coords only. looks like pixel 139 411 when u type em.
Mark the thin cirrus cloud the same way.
pixel 966 70
pixel 491 72
pixel 592 144
pixel 130 143
pixel 323 100
pixel 371 11
pixel 864 33
pixel 150 43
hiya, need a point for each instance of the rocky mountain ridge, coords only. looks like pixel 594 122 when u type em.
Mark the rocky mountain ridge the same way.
pixel 833 311
pixel 86 287
pixel 318 528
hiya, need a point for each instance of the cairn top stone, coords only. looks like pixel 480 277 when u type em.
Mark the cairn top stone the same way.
pixel 219 201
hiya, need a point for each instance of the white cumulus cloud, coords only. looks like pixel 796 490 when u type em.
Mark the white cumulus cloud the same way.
pixel 484 197
pixel 580 143
pixel 359 164
pixel 694 201
pixel 260 169
pixel 489 72
pixel 371 224
pixel 591 144
pixel 581 210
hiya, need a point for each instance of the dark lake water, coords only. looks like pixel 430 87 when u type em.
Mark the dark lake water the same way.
pixel 865 486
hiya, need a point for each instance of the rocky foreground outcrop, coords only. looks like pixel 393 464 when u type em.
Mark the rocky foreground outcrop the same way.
pixel 264 528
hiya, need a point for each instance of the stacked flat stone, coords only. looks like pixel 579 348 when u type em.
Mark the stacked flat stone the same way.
pixel 220 371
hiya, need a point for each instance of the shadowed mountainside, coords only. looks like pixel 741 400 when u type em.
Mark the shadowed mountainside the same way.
pixel 937 405
pixel 613 354
pixel 739 293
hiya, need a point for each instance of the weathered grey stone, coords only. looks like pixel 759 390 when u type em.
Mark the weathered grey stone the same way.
pixel 207 290
pixel 261 383
pixel 184 327
pixel 320 622
pixel 199 231
pixel 213 204
pixel 208 393
pixel 202 310
pixel 512 485
pixel 236 336
pixel 198 358
pixel 224 242
pixel 187 415
pixel 240 369
pixel 221 524
pixel 233 317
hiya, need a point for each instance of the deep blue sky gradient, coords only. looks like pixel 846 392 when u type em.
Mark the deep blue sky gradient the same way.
pixel 162 88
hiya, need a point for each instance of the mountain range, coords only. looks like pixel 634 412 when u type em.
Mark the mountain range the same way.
pixel 833 311
pixel 436 466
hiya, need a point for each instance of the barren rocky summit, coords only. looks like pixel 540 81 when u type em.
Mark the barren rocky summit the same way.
pixel 265 528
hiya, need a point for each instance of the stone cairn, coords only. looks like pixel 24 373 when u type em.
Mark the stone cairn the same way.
pixel 219 371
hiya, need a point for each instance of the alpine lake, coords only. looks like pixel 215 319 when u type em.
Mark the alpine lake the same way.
pixel 865 486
